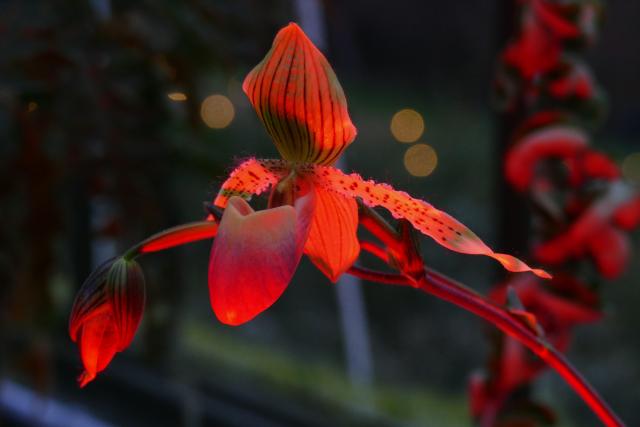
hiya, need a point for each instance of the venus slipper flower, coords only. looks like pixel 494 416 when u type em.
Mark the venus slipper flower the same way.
pixel 303 108
pixel 106 314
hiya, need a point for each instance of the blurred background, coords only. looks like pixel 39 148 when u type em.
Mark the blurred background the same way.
pixel 119 118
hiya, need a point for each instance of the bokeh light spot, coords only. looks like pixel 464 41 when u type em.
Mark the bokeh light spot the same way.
pixel 631 167
pixel 177 96
pixel 407 125
pixel 217 111
pixel 420 160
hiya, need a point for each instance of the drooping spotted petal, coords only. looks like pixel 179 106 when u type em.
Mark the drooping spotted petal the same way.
pixel 254 257
pixel 300 101
pixel 332 244
pixel 251 177
pixel 436 224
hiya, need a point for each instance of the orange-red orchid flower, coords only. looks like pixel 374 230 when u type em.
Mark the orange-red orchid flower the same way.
pixel 313 206
pixel 106 314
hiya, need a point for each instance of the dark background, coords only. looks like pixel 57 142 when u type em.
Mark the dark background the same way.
pixel 94 156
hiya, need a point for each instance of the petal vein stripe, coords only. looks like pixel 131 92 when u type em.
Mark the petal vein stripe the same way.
pixel 298 97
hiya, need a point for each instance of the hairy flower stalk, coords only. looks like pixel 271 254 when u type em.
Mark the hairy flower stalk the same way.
pixel 313 210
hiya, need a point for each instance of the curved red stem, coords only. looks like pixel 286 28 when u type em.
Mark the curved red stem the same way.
pixel 443 288
pixel 436 284
pixel 448 290
pixel 175 236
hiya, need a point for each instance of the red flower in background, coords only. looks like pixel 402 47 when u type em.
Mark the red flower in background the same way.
pixel 589 227
pixel 552 142
pixel 593 234
pixel 535 51
pixel 535 69
pixel 580 205
pixel 106 314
